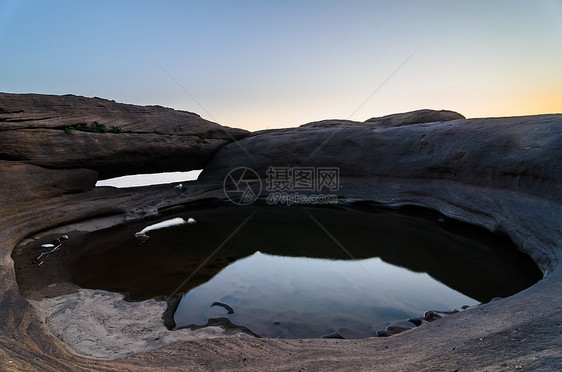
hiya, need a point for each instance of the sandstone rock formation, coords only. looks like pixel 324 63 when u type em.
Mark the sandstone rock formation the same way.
pixel 518 153
pixel 20 182
pixel 398 120
pixel 153 138
pixel 415 117
pixel 503 174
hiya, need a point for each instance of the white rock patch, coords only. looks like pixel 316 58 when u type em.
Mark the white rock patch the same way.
pixel 102 325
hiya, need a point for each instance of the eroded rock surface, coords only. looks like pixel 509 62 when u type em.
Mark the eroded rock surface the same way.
pixel 415 117
pixel 397 120
pixel 503 174
pixel 518 153
pixel 20 181
pixel 153 138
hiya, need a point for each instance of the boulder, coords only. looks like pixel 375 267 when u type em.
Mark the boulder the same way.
pixel 516 153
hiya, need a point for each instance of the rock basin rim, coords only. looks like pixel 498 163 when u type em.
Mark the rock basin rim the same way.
pixel 410 215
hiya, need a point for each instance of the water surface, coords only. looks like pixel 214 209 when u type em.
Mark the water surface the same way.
pixel 285 274
pixel 290 297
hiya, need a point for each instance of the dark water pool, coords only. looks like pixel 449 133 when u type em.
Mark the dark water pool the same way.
pixel 296 273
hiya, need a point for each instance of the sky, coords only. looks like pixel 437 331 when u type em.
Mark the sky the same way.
pixel 271 64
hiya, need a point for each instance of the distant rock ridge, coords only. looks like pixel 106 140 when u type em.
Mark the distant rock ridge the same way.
pixel 395 120
pixel 415 117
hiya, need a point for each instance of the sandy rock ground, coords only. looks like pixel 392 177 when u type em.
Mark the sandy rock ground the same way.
pixel 101 325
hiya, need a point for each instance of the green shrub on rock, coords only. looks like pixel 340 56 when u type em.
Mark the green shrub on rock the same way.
pixel 98 127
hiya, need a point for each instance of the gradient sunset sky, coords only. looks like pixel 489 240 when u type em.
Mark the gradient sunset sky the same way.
pixel 270 64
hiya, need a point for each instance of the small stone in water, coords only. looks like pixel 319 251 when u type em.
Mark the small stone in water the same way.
pixel 416 321
pixel 229 309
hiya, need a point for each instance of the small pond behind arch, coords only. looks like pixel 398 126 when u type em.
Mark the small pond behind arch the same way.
pixel 148 179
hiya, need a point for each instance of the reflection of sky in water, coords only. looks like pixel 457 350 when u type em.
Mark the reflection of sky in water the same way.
pixel 312 297
pixel 162 225
pixel 137 180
